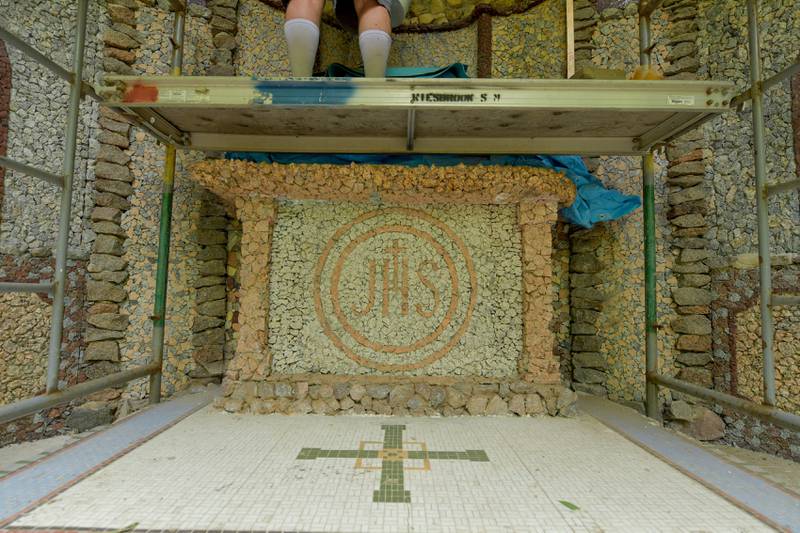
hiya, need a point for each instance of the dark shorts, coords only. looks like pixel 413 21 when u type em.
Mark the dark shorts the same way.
pixel 346 12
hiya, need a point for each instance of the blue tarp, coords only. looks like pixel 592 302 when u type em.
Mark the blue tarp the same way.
pixel 593 203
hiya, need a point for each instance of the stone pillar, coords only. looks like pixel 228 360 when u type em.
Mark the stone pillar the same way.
pixel 208 328
pixel 252 360
pixel 586 293
pixel 538 362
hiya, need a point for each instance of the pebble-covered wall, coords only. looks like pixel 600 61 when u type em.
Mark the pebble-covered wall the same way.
pixel 140 222
pixel 33 132
pixel 428 290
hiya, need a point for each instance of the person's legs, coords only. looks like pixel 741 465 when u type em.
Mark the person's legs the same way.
pixel 374 26
pixel 302 34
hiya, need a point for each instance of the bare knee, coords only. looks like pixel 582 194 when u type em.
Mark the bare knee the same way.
pixel 305 9
pixel 372 16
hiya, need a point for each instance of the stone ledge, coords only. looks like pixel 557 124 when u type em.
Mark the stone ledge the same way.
pixel 352 395
pixel 390 183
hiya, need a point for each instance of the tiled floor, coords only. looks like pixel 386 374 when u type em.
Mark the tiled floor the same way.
pixel 220 471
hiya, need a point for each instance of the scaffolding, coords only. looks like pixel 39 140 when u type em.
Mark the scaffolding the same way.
pixel 295 115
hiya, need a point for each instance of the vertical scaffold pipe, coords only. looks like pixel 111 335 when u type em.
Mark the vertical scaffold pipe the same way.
pixel 764 261
pixel 65 212
pixel 164 228
pixel 648 205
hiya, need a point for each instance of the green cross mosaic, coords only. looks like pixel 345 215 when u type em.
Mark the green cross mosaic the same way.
pixel 393 456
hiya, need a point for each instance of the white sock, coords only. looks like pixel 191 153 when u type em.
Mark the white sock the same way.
pixel 375 45
pixel 302 38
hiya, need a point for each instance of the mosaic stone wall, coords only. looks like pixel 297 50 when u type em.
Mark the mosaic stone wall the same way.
pixel 531 44
pixel 29 207
pixel 140 221
pixel 23 352
pixel 36 129
pixel 428 290
pixel 615 41
pixel 723 54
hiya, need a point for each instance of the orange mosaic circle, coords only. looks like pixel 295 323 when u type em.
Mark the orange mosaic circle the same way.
pixel 362 338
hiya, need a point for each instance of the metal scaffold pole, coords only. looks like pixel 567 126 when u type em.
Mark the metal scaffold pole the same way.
pixel 165 224
pixel 648 204
pixel 65 212
pixel 764 262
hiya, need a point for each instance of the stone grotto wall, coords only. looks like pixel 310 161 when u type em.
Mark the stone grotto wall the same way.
pixel 705 227
pixel 31 130
pixel 116 203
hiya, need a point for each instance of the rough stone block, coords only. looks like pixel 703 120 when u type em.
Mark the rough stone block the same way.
pixel 357 391
pixel 104 227
pixel 109 214
pixel 690 167
pixel 117 39
pixel 207 294
pixel 90 415
pixel 115 170
pixel 400 394
pixel 209 281
pixel 496 406
pixel 694 343
pixel 692 324
pixel 694 280
pixel 477 405
pixel 585 263
pixel 698 192
pixel 212 252
pixel 691 296
pixel 589 375
pixel 120 188
pixel 534 405
pixel 215 308
pixel 109 321
pixel 96 335
pixel 208 337
pixel 212 268
pixel 455 398
pixel 208 353
pixel 378 392
pixel 117 278
pixel 589 360
pixel 102 351
pixel 581 328
pixel 105 262
pixel 693 358
pixel 697 375
pixel 210 237
pixel 109 244
pixel 202 323
pixel 586 343
pixel 107 199
pixel 104 291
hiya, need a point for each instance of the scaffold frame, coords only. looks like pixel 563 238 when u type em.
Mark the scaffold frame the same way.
pixel 148 117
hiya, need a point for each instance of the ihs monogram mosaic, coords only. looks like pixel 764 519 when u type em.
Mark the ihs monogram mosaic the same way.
pixel 362 290
pixel 393 457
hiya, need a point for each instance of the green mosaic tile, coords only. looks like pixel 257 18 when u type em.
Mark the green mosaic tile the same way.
pixel 392 483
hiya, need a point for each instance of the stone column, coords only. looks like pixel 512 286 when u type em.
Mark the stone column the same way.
pixel 252 361
pixel 538 363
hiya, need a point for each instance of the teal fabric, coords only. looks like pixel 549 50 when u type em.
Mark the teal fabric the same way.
pixel 456 70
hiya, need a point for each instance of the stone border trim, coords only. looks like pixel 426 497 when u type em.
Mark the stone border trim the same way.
pixel 458 184
pixel 321 394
